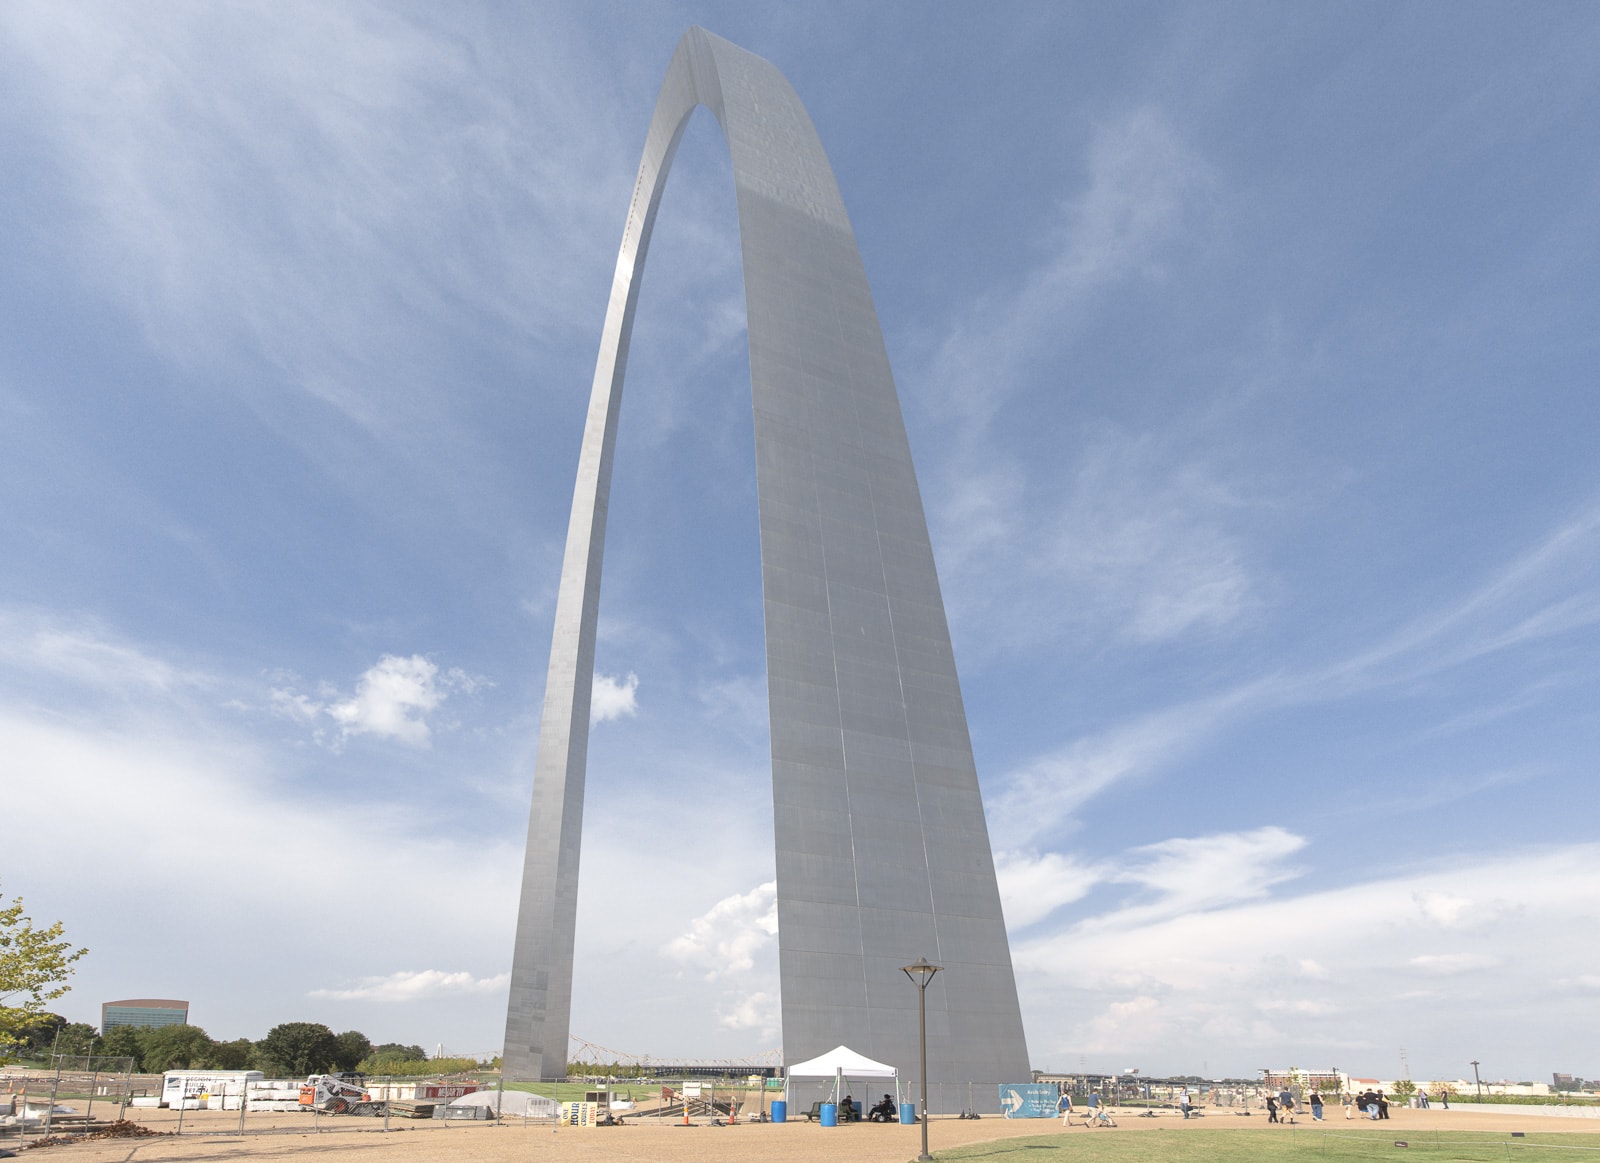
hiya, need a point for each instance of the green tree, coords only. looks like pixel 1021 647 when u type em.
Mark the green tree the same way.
pixel 396 1050
pixel 298 1048
pixel 175 1048
pixel 418 1067
pixel 124 1042
pixel 1405 1088
pixel 35 1037
pixel 72 1038
pixel 34 966
pixel 349 1048
pixel 235 1055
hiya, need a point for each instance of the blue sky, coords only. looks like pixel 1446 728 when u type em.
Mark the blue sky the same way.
pixel 1248 354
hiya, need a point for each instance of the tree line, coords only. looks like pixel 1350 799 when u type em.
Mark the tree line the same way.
pixel 290 1050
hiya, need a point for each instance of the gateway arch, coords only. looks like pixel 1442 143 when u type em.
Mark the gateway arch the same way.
pixel 882 849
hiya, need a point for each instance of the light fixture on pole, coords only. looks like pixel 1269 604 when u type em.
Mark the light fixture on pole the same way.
pixel 920 974
pixel 1476 1081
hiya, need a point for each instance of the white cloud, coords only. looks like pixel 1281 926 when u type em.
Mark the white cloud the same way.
pixel 412 985
pixel 756 1011
pixel 1277 973
pixel 392 700
pixel 1298 1006
pixel 726 938
pixel 1442 908
pixel 611 698
pixel 1136 1021
pixel 1032 886
pixel 1449 963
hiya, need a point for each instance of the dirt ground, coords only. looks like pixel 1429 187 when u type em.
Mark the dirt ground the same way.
pixel 209 1136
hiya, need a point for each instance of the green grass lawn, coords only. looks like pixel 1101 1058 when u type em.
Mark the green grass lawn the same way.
pixel 644 1092
pixel 1111 1145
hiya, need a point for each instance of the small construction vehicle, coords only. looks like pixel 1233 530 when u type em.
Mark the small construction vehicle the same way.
pixel 336 1094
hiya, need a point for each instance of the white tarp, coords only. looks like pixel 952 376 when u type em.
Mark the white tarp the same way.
pixel 512 1104
pixel 842 1060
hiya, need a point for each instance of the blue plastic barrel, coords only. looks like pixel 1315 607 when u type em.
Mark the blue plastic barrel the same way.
pixel 830 1114
pixel 780 1111
pixel 908 1113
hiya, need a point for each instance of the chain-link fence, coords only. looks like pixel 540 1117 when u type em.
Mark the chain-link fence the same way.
pixel 102 1097
pixel 61 1100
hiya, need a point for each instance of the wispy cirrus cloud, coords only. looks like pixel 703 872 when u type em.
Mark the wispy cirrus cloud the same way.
pixel 87 654
pixel 1544 591
pixel 1036 800
pixel 239 176
pixel 1550 588
pixel 1128 536
pixel 1146 191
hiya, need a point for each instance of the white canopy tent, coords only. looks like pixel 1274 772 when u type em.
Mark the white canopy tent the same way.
pixel 841 1063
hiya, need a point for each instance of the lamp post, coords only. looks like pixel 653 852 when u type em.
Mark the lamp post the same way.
pixel 920 974
pixel 1476 1081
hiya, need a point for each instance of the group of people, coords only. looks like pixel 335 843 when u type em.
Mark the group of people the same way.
pixel 1371 1103
pixel 884 1112
pixel 1095 1116
pixel 1281 1106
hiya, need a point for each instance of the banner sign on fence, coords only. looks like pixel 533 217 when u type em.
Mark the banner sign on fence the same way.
pixel 580 1114
pixel 1028 1100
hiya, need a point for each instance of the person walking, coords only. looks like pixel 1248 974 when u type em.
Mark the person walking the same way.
pixel 1272 1108
pixel 1316 1106
pixel 1064 1108
pixel 1349 1101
